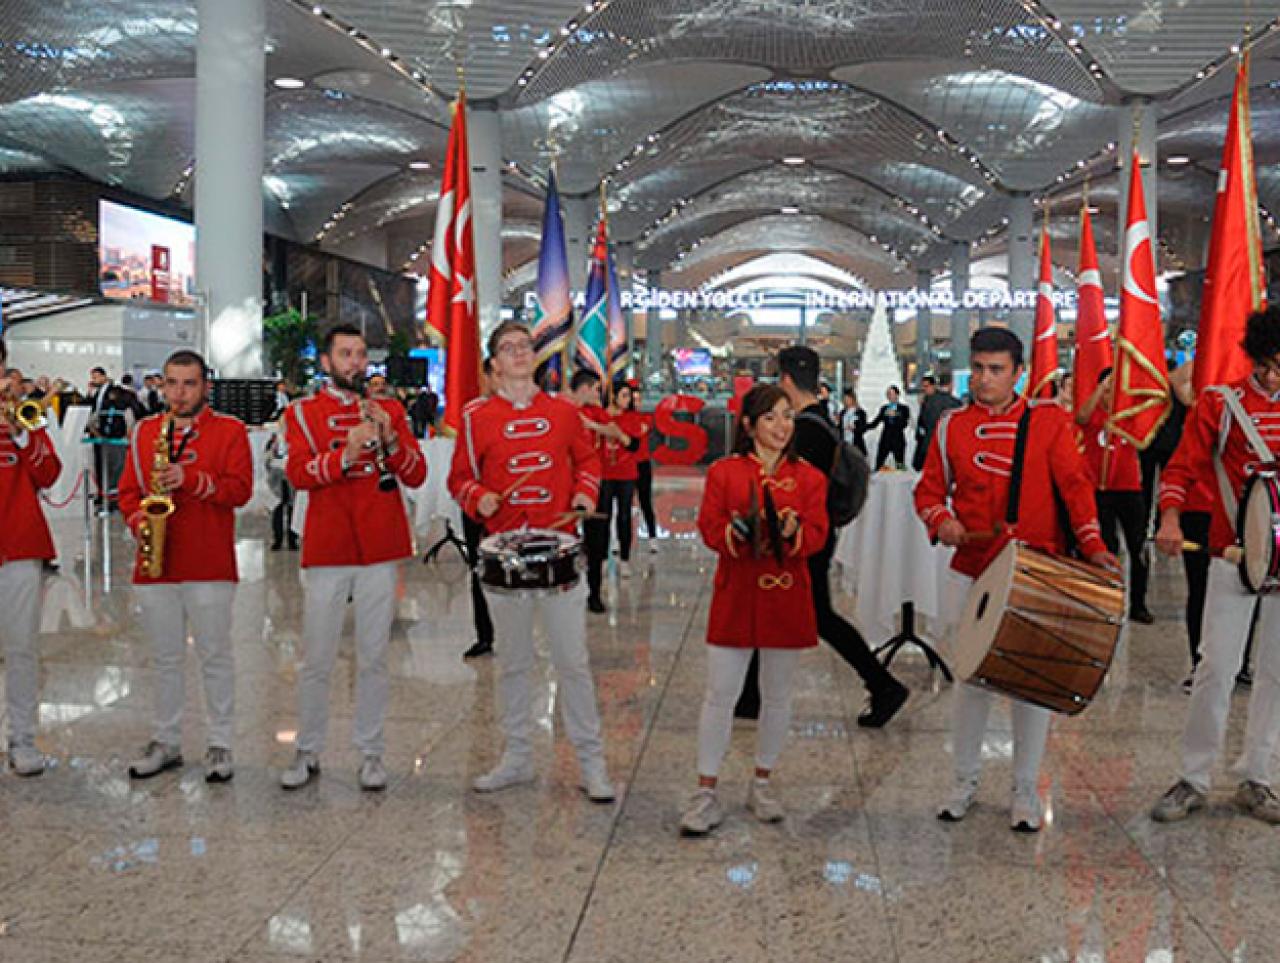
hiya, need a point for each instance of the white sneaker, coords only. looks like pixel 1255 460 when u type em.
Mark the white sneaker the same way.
pixel 763 803
pixel 1178 803
pixel 217 765
pixel 506 774
pixel 653 544
pixel 959 802
pixel 1026 811
pixel 702 814
pixel 306 765
pixel 26 760
pixel 155 759
pixel 373 774
pixel 595 783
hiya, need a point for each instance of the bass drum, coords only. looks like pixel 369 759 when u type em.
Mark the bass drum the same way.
pixel 529 559
pixel 1258 529
pixel 1040 628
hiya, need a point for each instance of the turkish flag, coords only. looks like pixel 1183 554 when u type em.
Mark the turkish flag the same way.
pixel 1093 340
pixel 1234 286
pixel 451 298
pixel 1044 344
pixel 1140 402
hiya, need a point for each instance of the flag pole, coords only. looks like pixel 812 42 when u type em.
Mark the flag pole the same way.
pixel 604 219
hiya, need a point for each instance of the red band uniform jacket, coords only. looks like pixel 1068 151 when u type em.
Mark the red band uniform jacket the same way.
pixel 537 456
pixel 218 479
pixel 1211 439
pixel 966 477
pixel 758 603
pixel 24 472
pixel 350 520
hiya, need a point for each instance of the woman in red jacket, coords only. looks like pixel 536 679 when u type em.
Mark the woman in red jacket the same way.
pixel 763 513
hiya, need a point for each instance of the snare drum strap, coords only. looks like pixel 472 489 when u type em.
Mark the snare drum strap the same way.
pixel 1015 471
pixel 1251 435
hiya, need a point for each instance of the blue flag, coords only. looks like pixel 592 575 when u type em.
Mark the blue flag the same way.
pixel 553 312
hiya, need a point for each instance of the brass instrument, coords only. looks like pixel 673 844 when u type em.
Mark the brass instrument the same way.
pixel 156 507
pixel 386 477
pixel 26 415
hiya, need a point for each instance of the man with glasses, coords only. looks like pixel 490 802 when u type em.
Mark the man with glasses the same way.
pixel 525 460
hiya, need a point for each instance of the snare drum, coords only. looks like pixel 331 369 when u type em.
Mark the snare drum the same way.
pixel 1258 528
pixel 529 559
pixel 1040 628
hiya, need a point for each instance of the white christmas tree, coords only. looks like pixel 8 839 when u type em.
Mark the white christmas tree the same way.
pixel 879 370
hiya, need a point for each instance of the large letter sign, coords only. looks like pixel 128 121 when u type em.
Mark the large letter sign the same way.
pixel 667 419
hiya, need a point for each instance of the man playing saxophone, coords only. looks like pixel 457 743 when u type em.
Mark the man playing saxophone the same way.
pixel 186 473
pixel 27 464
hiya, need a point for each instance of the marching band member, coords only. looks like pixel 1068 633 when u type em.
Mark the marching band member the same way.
pixel 584 392
pixel 525 459
pixel 199 460
pixel 349 454
pixel 1215 447
pixel 962 498
pixel 1113 465
pixel 763 513
pixel 28 464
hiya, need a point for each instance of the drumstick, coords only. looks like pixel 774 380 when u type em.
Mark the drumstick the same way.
pixel 1232 553
pixel 969 538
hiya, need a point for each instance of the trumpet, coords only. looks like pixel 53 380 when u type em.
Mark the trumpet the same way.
pixel 26 415
pixel 156 508
pixel 386 477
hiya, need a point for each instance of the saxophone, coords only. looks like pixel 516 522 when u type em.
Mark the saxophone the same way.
pixel 156 507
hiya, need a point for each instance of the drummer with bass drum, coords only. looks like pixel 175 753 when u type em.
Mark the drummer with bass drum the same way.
pixel 1231 438
pixel 964 498
pixel 526 467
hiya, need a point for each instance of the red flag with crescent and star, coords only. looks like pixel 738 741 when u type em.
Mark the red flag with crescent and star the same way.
pixel 1234 286
pixel 451 298
pixel 1140 400
pixel 1044 343
pixel 1093 340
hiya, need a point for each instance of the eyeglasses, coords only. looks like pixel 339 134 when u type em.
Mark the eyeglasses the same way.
pixel 516 347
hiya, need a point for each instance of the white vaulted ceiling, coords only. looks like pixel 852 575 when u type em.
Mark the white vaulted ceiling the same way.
pixel 908 123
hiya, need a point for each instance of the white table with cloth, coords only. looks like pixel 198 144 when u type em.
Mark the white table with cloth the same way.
pixel 886 558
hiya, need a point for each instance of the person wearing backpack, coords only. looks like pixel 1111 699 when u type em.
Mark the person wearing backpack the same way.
pixel 817 441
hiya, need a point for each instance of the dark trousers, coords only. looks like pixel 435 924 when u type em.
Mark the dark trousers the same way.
pixel 472 533
pixel 891 444
pixel 644 492
pixel 1152 463
pixel 1195 528
pixel 281 515
pixel 1129 510
pixel 108 465
pixel 833 629
pixel 613 494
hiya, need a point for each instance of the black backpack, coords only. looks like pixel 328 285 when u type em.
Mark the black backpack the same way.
pixel 849 478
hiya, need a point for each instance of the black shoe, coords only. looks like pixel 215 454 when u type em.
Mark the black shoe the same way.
pixel 479 649
pixel 276 546
pixel 1244 679
pixel 50 567
pixel 293 543
pixel 884 706
pixel 1142 616
pixel 594 604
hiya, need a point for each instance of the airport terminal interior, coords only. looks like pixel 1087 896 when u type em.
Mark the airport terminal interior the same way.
pixel 407 411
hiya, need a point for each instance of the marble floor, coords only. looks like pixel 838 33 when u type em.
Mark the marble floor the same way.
pixel 95 868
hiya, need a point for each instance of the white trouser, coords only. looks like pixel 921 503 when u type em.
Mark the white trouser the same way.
pixel 19 619
pixel 167 611
pixel 1228 611
pixel 564 619
pixel 372 588
pixel 726 670
pixel 973 704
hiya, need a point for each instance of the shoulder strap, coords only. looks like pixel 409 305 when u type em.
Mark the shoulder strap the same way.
pixel 1015 473
pixel 831 430
pixel 1247 427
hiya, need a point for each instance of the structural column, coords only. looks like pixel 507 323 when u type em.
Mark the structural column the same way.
pixel 1022 266
pixel 959 315
pixel 230 79
pixel 580 214
pixel 1143 115
pixel 626 261
pixel 924 326
pixel 653 330
pixel 484 143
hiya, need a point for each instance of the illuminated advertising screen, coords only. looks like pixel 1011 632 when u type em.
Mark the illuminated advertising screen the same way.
pixel 145 256
pixel 692 362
